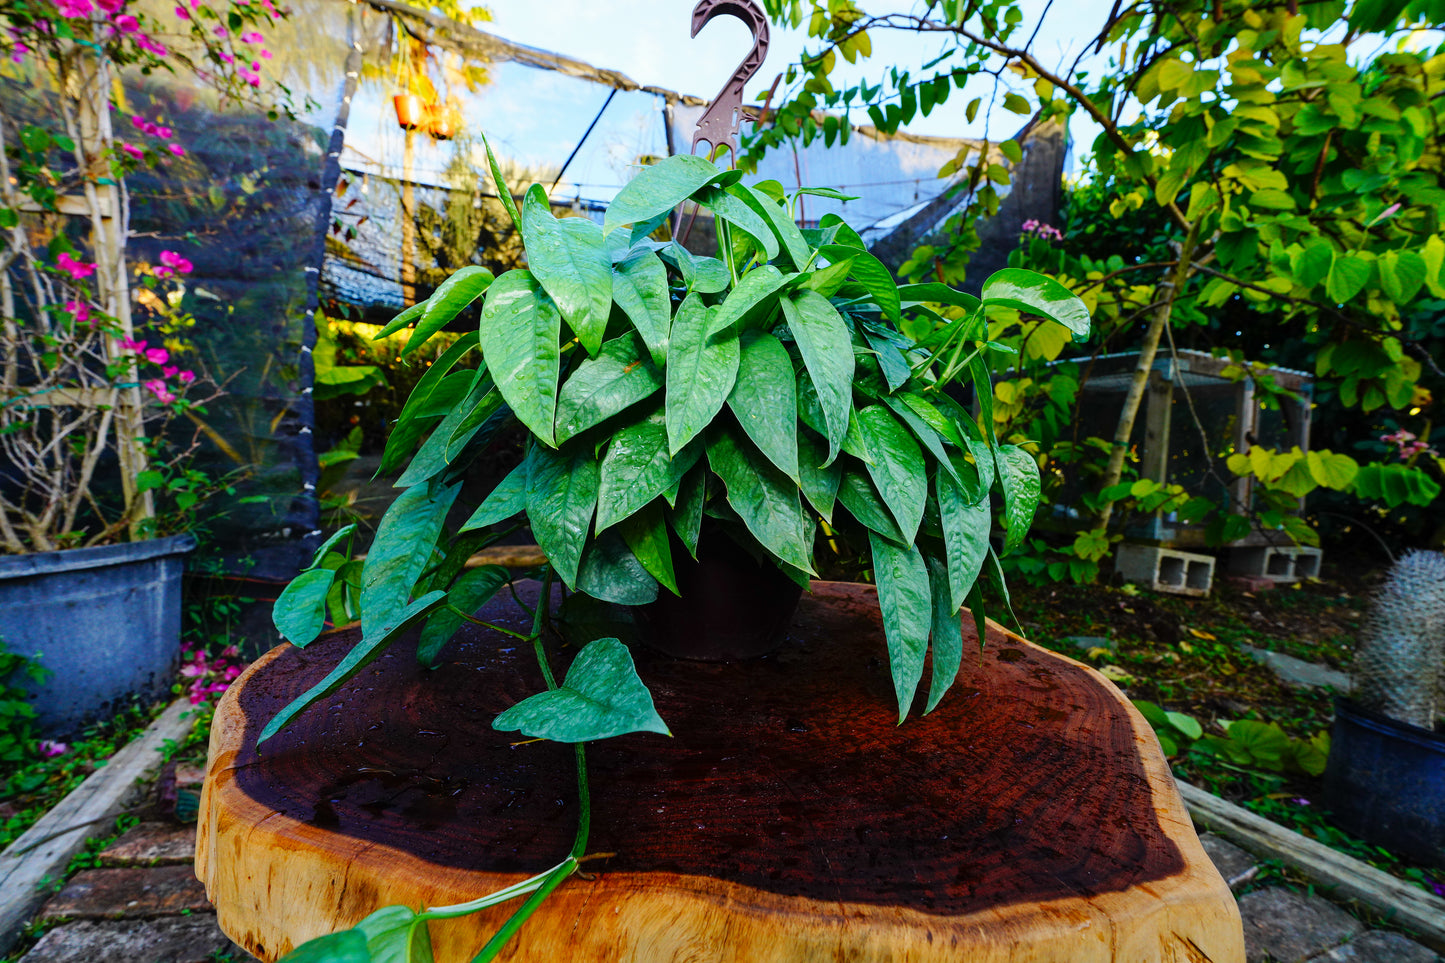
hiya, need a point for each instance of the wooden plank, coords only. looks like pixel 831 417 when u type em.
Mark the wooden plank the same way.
pixel 46 848
pixel 1342 875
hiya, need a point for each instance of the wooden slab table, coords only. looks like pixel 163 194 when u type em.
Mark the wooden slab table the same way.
pixel 1031 817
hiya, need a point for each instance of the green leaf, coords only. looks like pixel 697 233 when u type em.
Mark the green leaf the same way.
pixel 931 438
pixel 1401 275
pixel 1186 724
pixel 409 424
pixel 603 386
pixel 658 189
pixel 937 292
pixel 947 635
pixel 868 271
pixel 751 300
pixel 700 372
pixel 639 286
pixel 827 350
pixel 764 399
pixel 1332 470
pixel 904 597
pixel 857 495
pixel 507 500
pixel 726 207
pixel 469 592
pixel 794 251
pixel 402 550
pixel 446 302
pixel 600 698
pixel 459 425
pixel 568 256
pixel 1037 294
pixel 300 610
pixel 1348 276
pixel 645 533
pixel 687 515
pixel 331 543
pixel 1019 475
pixel 519 337
pixel 372 644
pixel 637 468
pixel 1016 103
pixel 503 191
pixel 395 935
pixel 561 496
pixel 819 484
pixel 348 946
pixel 701 275
pixel 1313 264
pixel 897 468
pixel 965 537
pixel 611 572
pixel 890 360
pixel 407 316
pixel 765 498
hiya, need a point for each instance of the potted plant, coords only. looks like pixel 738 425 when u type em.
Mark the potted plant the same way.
pixel 94 500
pixel 785 391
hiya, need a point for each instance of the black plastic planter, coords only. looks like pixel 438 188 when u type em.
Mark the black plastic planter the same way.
pixel 1385 782
pixel 105 621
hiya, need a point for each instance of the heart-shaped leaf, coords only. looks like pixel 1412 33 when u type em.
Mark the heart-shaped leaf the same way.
pixel 700 372
pixel 600 698
pixel 569 257
pixel 300 609
pixel 605 385
pixel 520 333
pixel 1037 294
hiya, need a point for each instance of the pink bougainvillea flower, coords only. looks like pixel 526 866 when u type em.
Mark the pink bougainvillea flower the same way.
pixel 170 371
pixel 265 55
pixel 151 46
pixel 158 388
pixel 111 6
pixel 226 58
pixel 18 55
pixel 157 355
pixel 220 31
pixel 50 749
pixel 176 149
pixel 74 8
pixel 130 345
pixel 80 309
pixel 176 263
pixel 186 377
pixel 133 150
pixel 253 36
pixel 127 23
pixel 76 269
pixel 249 76
pixel 183 13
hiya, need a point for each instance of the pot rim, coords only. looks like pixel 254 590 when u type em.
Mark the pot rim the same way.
pixel 1350 711
pixel 98 556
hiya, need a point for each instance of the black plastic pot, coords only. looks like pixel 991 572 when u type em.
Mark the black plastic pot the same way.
pixel 1385 782
pixel 105 621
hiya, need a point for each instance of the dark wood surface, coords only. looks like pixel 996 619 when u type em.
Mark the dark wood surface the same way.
pixel 786 774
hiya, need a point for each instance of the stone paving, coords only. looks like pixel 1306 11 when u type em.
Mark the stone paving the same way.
pixel 144 905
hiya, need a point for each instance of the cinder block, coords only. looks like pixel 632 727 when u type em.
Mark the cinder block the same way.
pixel 1165 569
pixel 1278 563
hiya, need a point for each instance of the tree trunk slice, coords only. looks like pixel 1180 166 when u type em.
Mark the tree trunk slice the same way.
pixel 1030 817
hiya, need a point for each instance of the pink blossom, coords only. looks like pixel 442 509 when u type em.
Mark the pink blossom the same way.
pixel 175 263
pixel 227 58
pixel 152 46
pixel 220 31
pixel 127 23
pixel 129 345
pixel 157 355
pixel 231 652
pixel 133 150
pixel 193 670
pixel 176 149
pixel 183 13
pixel 80 309
pixel 249 76
pixel 265 55
pixel 170 371
pixel 231 673
pixel 186 377
pixel 253 36
pixel 20 51
pixel 159 389
pixel 111 6
pixel 74 8
pixel 50 749
pixel 76 269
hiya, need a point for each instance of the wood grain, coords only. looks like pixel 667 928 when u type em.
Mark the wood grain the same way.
pixel 1030 817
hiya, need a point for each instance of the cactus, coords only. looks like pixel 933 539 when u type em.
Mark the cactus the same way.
pixel 1399 668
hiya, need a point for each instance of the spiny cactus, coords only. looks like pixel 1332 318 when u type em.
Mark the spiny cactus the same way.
pixel 1399 668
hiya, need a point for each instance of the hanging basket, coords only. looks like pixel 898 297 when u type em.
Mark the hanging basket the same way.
pixel 442 121
pixel 411 111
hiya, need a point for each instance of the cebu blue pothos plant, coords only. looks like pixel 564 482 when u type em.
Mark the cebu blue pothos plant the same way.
pixel 772 388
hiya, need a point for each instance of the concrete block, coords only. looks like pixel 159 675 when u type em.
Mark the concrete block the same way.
pixel 128 893
pixel 1283 926
pixel 1234 864
pixel 1378 946
pixel 153 844
pixel 1278 563
pixel 1165 569
pixel 174 939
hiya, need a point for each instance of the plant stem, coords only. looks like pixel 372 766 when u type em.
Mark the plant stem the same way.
pixel 509 928
pixel 543 604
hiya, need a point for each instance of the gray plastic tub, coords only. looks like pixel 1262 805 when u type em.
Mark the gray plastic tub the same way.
pixel 105 621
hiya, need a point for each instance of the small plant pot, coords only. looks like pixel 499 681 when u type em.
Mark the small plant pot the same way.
pixel 1385 782
pixel 442 121
pixel 411 111
pixel 731 606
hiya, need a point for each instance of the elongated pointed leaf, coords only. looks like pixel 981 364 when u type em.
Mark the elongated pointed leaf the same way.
pixel 332 542
pixel 687 515
pixel 658 189
pixel 937 292
pixel 726 207
pixel 857 494
pixel 827 350
pixel 639 286
pixel 897 468
pixel 409 427
pixel 601 387
pixel 300 610
pixel 924 433
pixel 561 496
pixel 405 317
pixel 637 468
pixel 519 336
pixel 431 458
pixel 372 644
pixel 890 360
pixel 611 572
pixel 819 484
pixel 446 302
pixel 765 402
pixel 403 548
pixel 1037 294
pixel 503 191
pixel 792 248
pixel 764 498
pixel 700 372
pixel 752 300
pixel 1019 474
pixel 570 259
pixel 947 635
pixel 507 500
pixel 965 536
pixel 907 605
pixel 868 271
pixel 645 533
pixel 468 593
pixel 600 698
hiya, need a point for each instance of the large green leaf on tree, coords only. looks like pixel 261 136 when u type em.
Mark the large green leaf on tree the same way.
pixel 569 257
pixel 520 334
pixel 601 697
